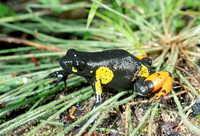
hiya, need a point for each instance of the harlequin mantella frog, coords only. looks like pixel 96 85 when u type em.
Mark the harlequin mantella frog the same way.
pixel 117 69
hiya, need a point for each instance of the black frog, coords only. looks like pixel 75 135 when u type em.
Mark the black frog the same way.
pixel 117 69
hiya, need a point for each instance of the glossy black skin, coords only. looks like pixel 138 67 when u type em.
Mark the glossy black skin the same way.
pixel 123 64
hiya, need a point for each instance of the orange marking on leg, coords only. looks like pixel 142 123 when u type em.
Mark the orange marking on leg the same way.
pixel 157 79
pixel 162 81
pixel 167 86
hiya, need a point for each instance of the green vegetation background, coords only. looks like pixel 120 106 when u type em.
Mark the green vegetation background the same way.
pixel 37 33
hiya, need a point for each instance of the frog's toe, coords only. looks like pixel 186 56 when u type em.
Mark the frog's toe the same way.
pixel 56 74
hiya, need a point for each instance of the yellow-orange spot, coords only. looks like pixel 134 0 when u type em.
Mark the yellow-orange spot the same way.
pixel 144 55
pixel 144 71
pixel 167 86
pixel 161 80
pixel 74 69
pixel 104 74
pixel 98 87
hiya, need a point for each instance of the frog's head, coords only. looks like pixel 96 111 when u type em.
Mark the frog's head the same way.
pixel 72 62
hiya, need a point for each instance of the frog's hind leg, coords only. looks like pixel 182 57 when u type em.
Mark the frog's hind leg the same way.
pixel 166 87
pixel 159 83
pixel 162 83
pixel 103 76
pixel 98 90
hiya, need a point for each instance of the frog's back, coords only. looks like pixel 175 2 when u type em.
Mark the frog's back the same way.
pixel 106 56
pixel 123 64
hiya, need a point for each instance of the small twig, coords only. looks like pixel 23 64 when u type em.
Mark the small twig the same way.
pixel 140 102
pixel 179 93
pixel 30 43
pixel 184 70
pixel 108 130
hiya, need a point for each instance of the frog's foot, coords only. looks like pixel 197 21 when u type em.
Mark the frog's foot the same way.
pixel 159 83
pixel 98 101
pixel 60 75
pixel 97 87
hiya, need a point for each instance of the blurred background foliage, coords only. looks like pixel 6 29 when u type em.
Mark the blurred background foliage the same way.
pixel 36 33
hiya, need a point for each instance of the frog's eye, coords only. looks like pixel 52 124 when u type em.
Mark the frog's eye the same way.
pixel 71 52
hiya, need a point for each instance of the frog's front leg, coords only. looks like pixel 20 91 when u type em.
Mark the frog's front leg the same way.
pixel 159 83
pixel 103 76
pixel 61 75
pixel 97 87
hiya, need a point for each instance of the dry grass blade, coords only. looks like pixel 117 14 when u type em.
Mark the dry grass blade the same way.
pixel 29 43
